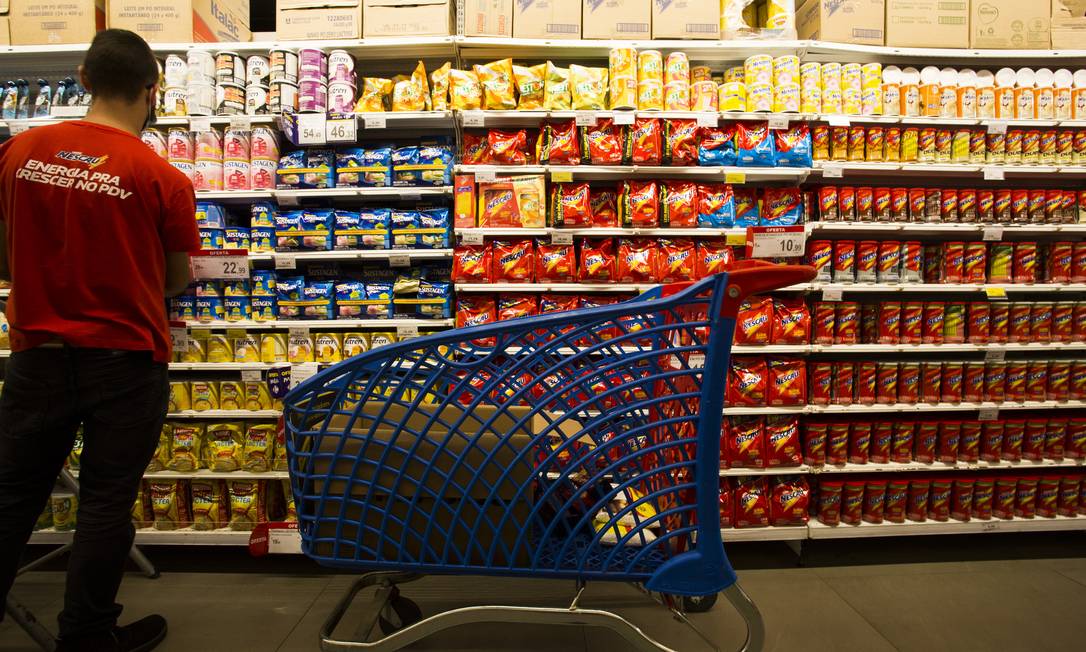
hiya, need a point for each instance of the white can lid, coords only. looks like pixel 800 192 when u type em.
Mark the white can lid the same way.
pixel 910 75
pixel 985 79
pixel 967 77
pixel 1045 78
pixel 891 75
pixel 929 75
pixel 1005 77
pixel 1025 78
pixel 1063 78
pixel 948 77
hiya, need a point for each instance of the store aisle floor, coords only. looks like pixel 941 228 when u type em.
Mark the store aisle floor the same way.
pixel 973 593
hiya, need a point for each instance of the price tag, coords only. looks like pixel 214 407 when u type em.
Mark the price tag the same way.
pixel 405 332
pixel 561 238
pixel 996 294
pixel 298 333
pixel 776 241
pixel 832 294
pixel 287 198
pixel 179 336
pixel 988 414
pixel 399 260
pixel 410 195
pixel 832 172
pixel 17 127
pixel 584 118
pixel 624 117
pixel 992 173
pixel 735 177
pixel 311 129
pixel 375 121
pixel 989 526
pixel 345 130
pixel 220 264
pixel 241 123
pixel 282 541
pixel 472 118
pixel 251 376
pixel 471 238
pixel 995 355
pixel 708 119
pixel 300 373
pixel 778 123
pixel 997 127
pixel 199 124
pixel 486 176
pixel 838 120
pixel 561 176
pixel 992 233
pixel 735 239
pixel 285 261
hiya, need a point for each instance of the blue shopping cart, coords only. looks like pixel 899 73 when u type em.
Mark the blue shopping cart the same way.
pixel 581 445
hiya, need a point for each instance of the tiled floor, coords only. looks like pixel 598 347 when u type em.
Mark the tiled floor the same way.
pixel 990 592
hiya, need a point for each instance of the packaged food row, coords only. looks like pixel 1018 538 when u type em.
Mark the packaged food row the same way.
pixel 233 159
pixel 890 261
pixel 479 309
pixel 755 381
pixel 942 205
pixel 595 260
pixel 876 143
pixel 203 395
pixel 274 347
pixel 648 141
pixel 763 502
pixel 17 105
pixel 204 505
pixel 852 501
pixel 428 163
pixel 220 447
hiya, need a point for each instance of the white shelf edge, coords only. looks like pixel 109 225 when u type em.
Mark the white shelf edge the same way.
pixel 818 530
pixel 902 407
pixel 324 324
pixel 225 414
pixel 150 537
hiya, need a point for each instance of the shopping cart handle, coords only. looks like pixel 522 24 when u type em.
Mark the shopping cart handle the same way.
pixel 747 277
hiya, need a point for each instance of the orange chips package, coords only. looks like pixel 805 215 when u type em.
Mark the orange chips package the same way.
pixel 713 256
pixel 636 260
pixel 638 204
pixel 745 442
pixel 476 149
pixel 496 79
pixel 559 144
pixel 374 92
pixel 791 322
pixel 588 88
pixel 597 260
pixel 679 204
pixel 675 260
pixel 530 86
pixel 645 144
pixel 475 310
pixel 471 264
pixel 507 147
pixel 747 380
pixel 439 84
pixel 604 207
pixel 787 382
pixel 513 306
pixel 513 260
pixel 681 138
pixel 754 323
pixel 555 263
pixel 600 144
pixel 570 205
pixel 465 93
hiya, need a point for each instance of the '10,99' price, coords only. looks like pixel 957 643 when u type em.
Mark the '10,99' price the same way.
pixel 776 241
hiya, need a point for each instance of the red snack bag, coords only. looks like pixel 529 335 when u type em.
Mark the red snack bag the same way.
pixel 780 206
pixel 787 382
pixel 814 443
pixel 638 204
pixel 837 443
pixel 753 324
pixel 681 135
pixel 558 303
pixel 570 205
pixel 1075 445
pixel 727 503
pixel 560 144
pixel 597 260
pixel 475 310
pixel 555 263
pixel 514 261
pixel 901 446
pixel 679 204
pixel 600 144
pixel 927 438
pixel 897 500
pixel 821 383
pixel 675 260
pixel 1025 499
pixel 791 323
pixel 1048 496
pixel 950 433
pixel 829 502
pixel 1033 443
pixel 713 256
pixel 852 502
pixel 514 306
pixel 751 503
pixel 1068 504
pixel 636 260
pixel 645 145
pixel 507 147
pixel 991 441
pixel 961 499
pixel 983 493
pixel 788 504
pixel 782 441
pixel 824 322
pixel 874 501
pixel 746 442
pixel 939 499
pixel 844 383
pixel 881 437
pixel 969 441
pixel 747 380
pixel 919 493
pixel 1014 434
pixel 1006 492
pixel 476 149
pixel 713 200
pixel 472 264
pixel 859 443
pixel 604 207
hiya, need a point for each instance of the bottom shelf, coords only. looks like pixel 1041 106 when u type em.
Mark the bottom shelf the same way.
pixel 152 537
pixel 909 528
pixel 785 533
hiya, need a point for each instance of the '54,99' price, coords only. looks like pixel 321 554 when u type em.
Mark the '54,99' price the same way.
pixel 776 241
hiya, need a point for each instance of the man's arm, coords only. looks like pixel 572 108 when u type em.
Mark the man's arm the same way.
pixel 179 237
pixel 5 272
pixel 178 274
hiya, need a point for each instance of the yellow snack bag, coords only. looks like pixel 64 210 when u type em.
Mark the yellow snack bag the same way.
pixel 354 343
pixel 246 348
pixel 329 347
pixel 143 514
pixel 45 519
pixel 231 395
pixel 219 348
pixel 291 513
pixel 496 78
pixel 273 348
pixel 407 96
pixel 419 77
pixel 170 504
pixel 257 396
pixel 64 508
pixel 224 445
pixel 259 444
pixel 588 87
pixel 300 349
pixel 279 458
pixel 77 450
pixel 465 93
pixel 185 447
pixel 372 97
pixel 530 86
pixel 162 452
pixel 208 504
pixel 205 395
pixel 556 89
pixel 246 505
pixel 439 95
pixel 180 397
pixel 197 351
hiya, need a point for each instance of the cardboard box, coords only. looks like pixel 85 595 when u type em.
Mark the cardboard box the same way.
pixel 550 19
pixel 406 18
pixel 48 22
pixel 315 20
pixel 617 19
pixel 5 31
pixel 484 17
pixel 181 21
pixel 5 6
pixel 927 23
pixel 1068 24
pixel 1010 24
pixel 693 19
pixel 842 21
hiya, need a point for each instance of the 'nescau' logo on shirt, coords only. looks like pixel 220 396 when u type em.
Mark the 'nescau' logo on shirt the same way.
pixel 79 157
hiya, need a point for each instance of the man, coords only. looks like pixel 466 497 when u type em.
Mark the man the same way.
pixel 95 231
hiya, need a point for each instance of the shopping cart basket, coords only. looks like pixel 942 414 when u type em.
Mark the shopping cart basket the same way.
pixel 581 445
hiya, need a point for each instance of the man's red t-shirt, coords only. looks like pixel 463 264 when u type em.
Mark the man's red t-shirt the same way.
pixel 91 212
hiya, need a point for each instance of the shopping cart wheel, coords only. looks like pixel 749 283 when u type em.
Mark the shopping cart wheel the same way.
pixel 696 604
pixel 399 612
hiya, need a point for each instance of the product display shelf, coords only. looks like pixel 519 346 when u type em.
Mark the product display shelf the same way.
pixel 819 530
pixel 283 258
pixel 225 414
pixel 225 366
pixel 894 467
pixel 601 232
pixel 857 408
pixel 619 172
pixel 324 324
pixel 991 231
pixel 294 197
pixel 151 537
pixel 5 293
pixel 804 349
pixel 5 353
pixel 897 288
pixel 205 474
pixel 838 169
pixel 776 533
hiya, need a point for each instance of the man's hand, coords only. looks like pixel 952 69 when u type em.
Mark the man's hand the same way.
pixel 178 274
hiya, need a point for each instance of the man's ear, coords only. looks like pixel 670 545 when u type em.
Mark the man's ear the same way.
pixel 83 79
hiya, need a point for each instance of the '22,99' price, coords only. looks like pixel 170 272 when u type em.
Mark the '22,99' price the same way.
pixel 776 241
pixel 226 265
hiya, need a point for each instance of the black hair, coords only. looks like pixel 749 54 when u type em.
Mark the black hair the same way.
pixel 120 65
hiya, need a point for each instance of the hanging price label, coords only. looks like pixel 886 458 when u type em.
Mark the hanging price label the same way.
pixel 735 239
pixel 838 120
pixel 300 373
pixel 285 261
pixel 562 238
pixel 561 176
pixel 405 332
pixel 378 121
pixel 996 294
pixel 776 241
pixel 992 173
pixel 584 118
pixel 995 355
pixel 220 264
pixel 832 171
pixel 708 119
pixel 241 123
pixel 624 117
pixel 345 130
pixel 992 233
pixel 251 375
pixel 832 294
pixel 282 541
pixel 471 238
pixel 778 123
pixel 472 118
pixel 988 414
pixel 997 127
pixel 399 260
pixel 311 129
pixel 486 176
pixel 199 124
pixel 179 337
pixel 735 177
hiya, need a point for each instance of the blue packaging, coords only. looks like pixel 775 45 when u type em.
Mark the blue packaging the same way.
pixel 316 229
pixel 358 300
pixel 423 165
pixel 207 288
pixel 746 209
pixel 793 146
pixel 183 308
pixel 716 206
pixel 209 309
pixel 210 215
pixel 260 214
pixel 434 228
pixel 364 168
pixel 288 292
pixel 318 299
pixel 306 169
pixel 263 283
pixel 404 226
pixel 367 229
pixel 754 144
pixel 235 288
pixel 264 309
pixel 716 147
pixel 212 238
pixel 262 239
pixel 433 301
pixel 237 309
pixel 237 237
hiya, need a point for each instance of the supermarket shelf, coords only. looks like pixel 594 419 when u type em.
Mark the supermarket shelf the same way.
pixel 5 293
pixel 553 287
pixel 904 407
pixel 846 52
pixel 488 47
pixel 1024 347
pixel 395 192
pixel 234 195
pixel 368 254
pixel 936 228
pixel 601 232
pixel 224 366
pixel 776 470
pixel 225 414
pixel 943 169
pixel 816 287
pixel 153 537
pixel 405 119
pixel 732 174
pixel 205 474
pixel 324 324
pixel 5 353
pixel 895 467
pixel 783 533
pixel 818 530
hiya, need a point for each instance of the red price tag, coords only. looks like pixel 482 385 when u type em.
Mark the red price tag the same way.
pixel 220 264
pixel 776 241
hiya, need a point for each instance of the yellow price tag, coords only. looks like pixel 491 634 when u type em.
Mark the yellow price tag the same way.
pixel 736 239
pixel 561 176
pixel 996 293
pixel 735 177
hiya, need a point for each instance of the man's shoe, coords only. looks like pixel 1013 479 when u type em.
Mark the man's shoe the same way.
pixel 141 636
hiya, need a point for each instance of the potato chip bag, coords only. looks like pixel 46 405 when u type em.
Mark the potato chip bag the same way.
pixel 713 256
pixel 681 141
pixel 170 504
pixel 787 382
pixel 555 263
pixel 507 147
pixel 600 144
pixel 782 441
pixel 407 95
pixel 290 513
pixel 420 79
pixel 530 86
pixel 162 452
pixel 257 449
pixel 559 143
pixel 514 306
pixel 180 397
pixel 496 78
pixel 471 264
pixel 513 260
pixel 597 260
pixel 639 204
pixel 231 395
pixel 751 503
pixel 678 204
pixel 205 395
pixel 465 92
pixel 754 323
pixel 636 260
pixel 372 97
pixel 208 504
pixel 588 87
pixel 439 94
pixel 246 505
pixel 257 395
pixel 747 379
pixel 143 514
pixel 604 205
pixel 556 95
pixel 475 149
pixel 186 447
pixel 645 144
pixel 788 502
pixel 675 262
pixel 223 446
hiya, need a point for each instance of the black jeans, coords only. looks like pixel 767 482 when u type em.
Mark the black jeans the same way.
pixel 120 398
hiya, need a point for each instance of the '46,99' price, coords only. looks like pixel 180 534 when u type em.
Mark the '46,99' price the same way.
pixel 776 241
